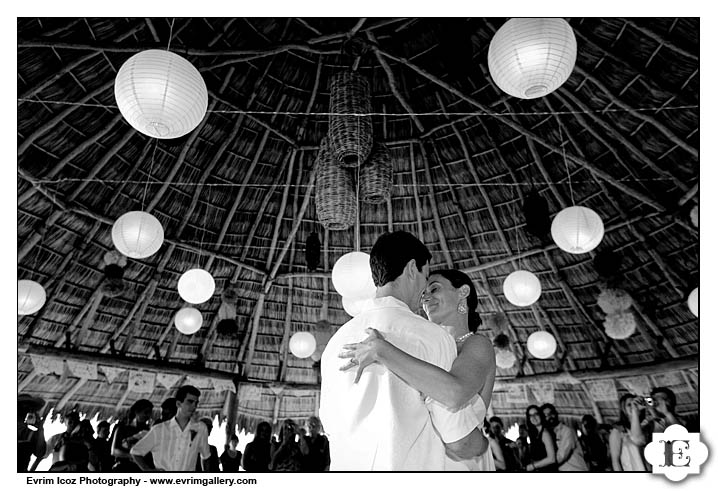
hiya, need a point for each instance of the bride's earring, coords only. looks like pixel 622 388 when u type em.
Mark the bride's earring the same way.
pixel 462 308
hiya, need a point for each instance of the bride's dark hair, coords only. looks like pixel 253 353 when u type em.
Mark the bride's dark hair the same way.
pixel 457 280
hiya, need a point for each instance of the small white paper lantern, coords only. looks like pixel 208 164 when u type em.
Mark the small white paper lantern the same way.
pixel 505 358
pixel 694 216
pixel 577 229
pixel 161 94
pixel 30 297
pixel 137 234
pixel 351 276
pixel 530 58
pixel 196 286
pixel 522 288
pixel 355 306
pixel 620 325
pixel 188 320
pixel 541 344
pixel 302 344
pixel 693 302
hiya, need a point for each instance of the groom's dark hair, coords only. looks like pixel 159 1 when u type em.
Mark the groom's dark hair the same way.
pixel 391 253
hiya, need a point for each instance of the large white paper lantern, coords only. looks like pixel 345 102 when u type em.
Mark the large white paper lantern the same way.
pixel 161 94
pixel 351 276
pixel 693 302
pixel 620 325
pixel 302 344
pixel 577 229
pixel 505 358
pixel 530 58
pixel 196 286
pixel 188 320
pixel 541 344
pixel 522 288
pixel 30 297
pixel 137 234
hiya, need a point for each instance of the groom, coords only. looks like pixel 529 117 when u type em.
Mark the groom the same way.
pixel 380 423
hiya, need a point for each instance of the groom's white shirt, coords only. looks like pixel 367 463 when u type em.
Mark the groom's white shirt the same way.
pixel 380 423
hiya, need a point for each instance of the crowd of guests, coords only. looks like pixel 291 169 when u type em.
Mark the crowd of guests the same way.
pixel 178 441
pixel 546 444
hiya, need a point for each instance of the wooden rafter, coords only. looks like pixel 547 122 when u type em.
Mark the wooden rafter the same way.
pixel 435 210
pixel 415 187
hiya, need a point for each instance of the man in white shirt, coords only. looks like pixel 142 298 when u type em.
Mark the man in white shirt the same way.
pixel 380 423
pixel 176 442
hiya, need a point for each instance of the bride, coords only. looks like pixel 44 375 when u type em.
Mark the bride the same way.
pixel 449 300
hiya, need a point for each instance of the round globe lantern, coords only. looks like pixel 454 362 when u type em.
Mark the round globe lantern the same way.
pixel 693 302
pixel 302 344
pixel 351 276
pixel 30 297
pixel 188 320
pixel 161 94
pixel 532 57
pixel 577 229
pixel 522 288
pixel 137 234
pixel 196 286
pixel 541 344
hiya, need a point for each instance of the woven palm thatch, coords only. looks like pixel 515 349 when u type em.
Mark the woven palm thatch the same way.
pixel 375 176
pixel 350 132
pixel 240 196
pixel 336 199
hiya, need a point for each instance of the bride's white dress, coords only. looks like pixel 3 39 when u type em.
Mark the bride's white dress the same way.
pixel 482 463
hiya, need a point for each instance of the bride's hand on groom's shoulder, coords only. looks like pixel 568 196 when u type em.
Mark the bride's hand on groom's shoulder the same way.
pixel 362 354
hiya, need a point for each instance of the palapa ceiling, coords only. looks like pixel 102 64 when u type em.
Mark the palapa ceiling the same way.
pixel 236 196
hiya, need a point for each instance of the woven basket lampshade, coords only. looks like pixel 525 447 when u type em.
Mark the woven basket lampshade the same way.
pixel 350 136
pixel 541 344
pixel 30 297
pixel 693 302
pixel 302 344
pixel 161 94
pixel 137 234
pixel 351 276
pixel 196 286
pixel 188 320
pixel 376 175
pixel 577 229
pixel 530 58
pixel 335 198
pixel 522 288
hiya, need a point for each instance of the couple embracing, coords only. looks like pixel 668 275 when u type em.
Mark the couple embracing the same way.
pixel 402 393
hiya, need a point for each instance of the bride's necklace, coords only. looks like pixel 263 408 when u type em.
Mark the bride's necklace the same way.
pixel 464 337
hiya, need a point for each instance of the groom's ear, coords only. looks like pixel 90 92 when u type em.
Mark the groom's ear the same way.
pixel 410 268
pixel 464 291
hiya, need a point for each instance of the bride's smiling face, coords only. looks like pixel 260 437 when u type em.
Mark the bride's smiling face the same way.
pixel 440 299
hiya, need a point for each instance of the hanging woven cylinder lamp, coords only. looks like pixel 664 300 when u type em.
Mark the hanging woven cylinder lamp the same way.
pixel 530 58
pixel 335 198
pixel 350 136
pixel 376 175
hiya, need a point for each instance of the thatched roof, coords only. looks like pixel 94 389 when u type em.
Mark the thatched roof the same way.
pixel 236 196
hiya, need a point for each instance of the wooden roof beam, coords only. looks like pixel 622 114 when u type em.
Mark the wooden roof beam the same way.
pixel 415 187
pixel 435 210
pixel 661 40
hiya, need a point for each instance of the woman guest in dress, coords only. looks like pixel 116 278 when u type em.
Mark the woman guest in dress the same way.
pixel 318 458
pixel 542 446
pixel 128 433
pixel 257 452
pixel 626 440
pixel 231 458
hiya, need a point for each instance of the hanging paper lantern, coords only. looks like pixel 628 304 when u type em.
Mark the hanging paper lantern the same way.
pixel 614 300
pixel 30 297
pixel 161 94
pixel 693 302
pixel 351 276
pixel 188 320
pixel 694 216
pixel 505 358
pixel 302 344
pixel 530 58
pixel 620 325
pixel 577 229
pixel 137 234
pixel 522 288
pixel 196 286
pixel 541 344
pixel 355 306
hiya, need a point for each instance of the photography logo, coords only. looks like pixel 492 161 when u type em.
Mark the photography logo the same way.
pixel 676 453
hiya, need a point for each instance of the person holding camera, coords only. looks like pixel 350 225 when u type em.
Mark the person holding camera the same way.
pixel 627 440
pixel 661 411
pixel 289 451
pixel 30 435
